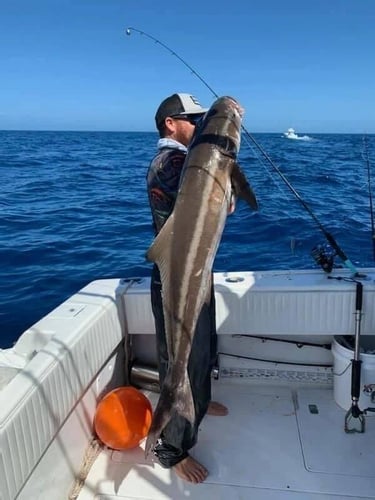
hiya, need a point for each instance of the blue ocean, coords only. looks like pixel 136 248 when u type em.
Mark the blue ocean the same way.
pixel 74 209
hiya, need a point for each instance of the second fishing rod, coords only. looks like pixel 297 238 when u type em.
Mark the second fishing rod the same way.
pixel 319 256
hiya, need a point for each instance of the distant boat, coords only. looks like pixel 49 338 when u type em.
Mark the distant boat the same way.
pixel 291 134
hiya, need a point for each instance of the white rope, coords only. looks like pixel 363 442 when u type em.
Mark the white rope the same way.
pixel 91 454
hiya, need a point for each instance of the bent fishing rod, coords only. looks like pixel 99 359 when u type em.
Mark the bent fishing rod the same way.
pixel 331 240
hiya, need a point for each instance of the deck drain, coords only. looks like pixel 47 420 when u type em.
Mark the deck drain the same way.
pixel 234 279
pixel 313 409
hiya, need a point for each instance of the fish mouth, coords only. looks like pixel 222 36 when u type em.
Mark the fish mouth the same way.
pixel 236 106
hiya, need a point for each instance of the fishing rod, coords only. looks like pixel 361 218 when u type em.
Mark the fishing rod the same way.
pixel 331 240
pixel 367 159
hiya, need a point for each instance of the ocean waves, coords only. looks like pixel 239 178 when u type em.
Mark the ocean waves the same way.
pixel 74 208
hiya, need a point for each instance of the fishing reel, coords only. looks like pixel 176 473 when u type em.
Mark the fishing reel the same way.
pixel 324 256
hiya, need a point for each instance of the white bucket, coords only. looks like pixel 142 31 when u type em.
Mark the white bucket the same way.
pixel 342 372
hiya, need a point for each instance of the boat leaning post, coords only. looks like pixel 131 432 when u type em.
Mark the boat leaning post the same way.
pixel 354 418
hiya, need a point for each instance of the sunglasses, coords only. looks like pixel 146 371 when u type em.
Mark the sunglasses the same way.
pixel 193 119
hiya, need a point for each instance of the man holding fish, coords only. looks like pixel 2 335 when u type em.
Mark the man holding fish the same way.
pixel 190 192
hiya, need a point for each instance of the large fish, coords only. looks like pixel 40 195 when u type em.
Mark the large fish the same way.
pixel 185 248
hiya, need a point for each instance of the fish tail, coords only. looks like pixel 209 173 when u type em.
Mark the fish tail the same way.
pixel 175 398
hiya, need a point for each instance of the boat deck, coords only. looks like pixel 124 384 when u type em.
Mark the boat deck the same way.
pixel 276 443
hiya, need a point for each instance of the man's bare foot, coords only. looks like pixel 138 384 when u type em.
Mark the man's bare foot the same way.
pixel 217 409
pixel 190 470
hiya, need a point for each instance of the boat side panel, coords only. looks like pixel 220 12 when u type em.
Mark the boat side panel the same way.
pixel 35 404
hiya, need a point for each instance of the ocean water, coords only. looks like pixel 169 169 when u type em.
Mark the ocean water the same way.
pixel 74 209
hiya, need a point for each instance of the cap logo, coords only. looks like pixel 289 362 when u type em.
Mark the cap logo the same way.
pixel 195 101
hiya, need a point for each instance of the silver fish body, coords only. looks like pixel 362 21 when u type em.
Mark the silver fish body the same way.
pixel 185 248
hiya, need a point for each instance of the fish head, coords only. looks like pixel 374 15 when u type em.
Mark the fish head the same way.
pixel 222 126
pixel 226 106
pixel 237 108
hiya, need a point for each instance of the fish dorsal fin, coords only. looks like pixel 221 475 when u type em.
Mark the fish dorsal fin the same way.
pixel 242 188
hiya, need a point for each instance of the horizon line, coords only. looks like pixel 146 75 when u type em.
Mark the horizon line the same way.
pixel 156 132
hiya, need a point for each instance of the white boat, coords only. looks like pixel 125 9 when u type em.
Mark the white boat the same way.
pixel 291 134
pixel 286 390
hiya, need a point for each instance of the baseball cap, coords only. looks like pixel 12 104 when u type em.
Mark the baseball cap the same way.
pixel 178 104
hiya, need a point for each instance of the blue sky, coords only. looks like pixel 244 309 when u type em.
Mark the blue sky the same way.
pixel 68 64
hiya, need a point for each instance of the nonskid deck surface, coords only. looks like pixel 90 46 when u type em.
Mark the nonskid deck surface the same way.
pixel 276 443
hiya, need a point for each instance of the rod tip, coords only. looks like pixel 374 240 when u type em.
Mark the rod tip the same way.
pixel 128 31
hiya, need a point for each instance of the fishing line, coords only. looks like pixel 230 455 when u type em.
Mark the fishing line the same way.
pixel 367 160
pixel 331 240
pixel 129 30
pixel 266 170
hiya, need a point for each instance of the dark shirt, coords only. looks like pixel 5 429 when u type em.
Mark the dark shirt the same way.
pixel 163 179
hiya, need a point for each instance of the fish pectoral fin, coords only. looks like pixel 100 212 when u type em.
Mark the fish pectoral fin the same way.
pixel 160 247
pixel 242 188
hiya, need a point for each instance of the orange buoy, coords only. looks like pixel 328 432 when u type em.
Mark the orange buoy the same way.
pixel 123 418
